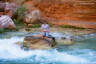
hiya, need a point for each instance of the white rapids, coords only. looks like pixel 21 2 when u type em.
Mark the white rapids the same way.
pixel 9 50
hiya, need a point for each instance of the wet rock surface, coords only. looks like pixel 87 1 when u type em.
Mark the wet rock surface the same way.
pixel 38 42
pixel 64 41
pixel 33 42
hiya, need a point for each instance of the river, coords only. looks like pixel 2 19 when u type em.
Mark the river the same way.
pixel 82 52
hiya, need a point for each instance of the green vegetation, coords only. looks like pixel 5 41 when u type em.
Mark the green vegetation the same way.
pixel 20 13
pixel 18 23
pixel 7 30
pixel 1 30
pixel 19 16
pixel 35 25
pixel 69 26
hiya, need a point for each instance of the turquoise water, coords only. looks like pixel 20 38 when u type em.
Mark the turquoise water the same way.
pixel 82 52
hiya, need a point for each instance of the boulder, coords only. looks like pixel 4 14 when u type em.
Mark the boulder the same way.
pixel 8 8
pixel 64 41
pixel 38 42
pixel 34 42
pixel 32 16
pixel 6 22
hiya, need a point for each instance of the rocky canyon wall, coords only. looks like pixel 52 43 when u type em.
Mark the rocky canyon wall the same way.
pixel 80 13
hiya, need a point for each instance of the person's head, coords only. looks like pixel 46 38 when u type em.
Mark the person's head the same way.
pixel 44 22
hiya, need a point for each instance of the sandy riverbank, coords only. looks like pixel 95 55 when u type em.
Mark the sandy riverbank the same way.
pixel 63 30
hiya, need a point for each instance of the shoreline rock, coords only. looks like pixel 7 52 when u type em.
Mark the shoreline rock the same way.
pixel 6 22
pixel 33 42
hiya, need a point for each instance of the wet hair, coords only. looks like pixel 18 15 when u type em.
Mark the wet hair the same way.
pixel 43 21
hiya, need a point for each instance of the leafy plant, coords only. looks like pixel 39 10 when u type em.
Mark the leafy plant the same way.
pixel 18 23
pixel 69 26
pixel 20 12
pixel 19 15
pixel 1 30
pixel 7 30
pixel 35 26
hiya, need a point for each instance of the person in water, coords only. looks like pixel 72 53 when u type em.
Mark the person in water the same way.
pixel 45 29
pixel 45 32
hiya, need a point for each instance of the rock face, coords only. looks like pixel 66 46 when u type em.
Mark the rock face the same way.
pixel 8 8
pixel 38 42
pixel 6 12
pixel 80 13
pixel 6 22
pixel 31 17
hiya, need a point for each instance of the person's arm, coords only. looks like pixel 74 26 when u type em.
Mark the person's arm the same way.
pixel 48 28
pixel 42 27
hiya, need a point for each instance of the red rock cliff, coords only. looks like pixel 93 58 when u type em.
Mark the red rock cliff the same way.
pixel 80 13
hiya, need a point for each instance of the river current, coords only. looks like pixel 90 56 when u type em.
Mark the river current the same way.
pixel 83 51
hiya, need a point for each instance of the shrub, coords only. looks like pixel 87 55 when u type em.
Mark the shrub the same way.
pixel 7 30
pixel 1 30
pixel 69 26
pixel 20 13
pixel 35 26
pixel 18 23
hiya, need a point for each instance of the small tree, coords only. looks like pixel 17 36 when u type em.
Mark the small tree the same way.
pixel 20 13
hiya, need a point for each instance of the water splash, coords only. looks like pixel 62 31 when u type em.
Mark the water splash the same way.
pixel 84 37
pixel 9 50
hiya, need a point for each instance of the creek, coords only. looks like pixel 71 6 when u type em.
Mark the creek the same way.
pixel 83 51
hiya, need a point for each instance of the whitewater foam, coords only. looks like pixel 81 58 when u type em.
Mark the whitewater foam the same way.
pixel 9 50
